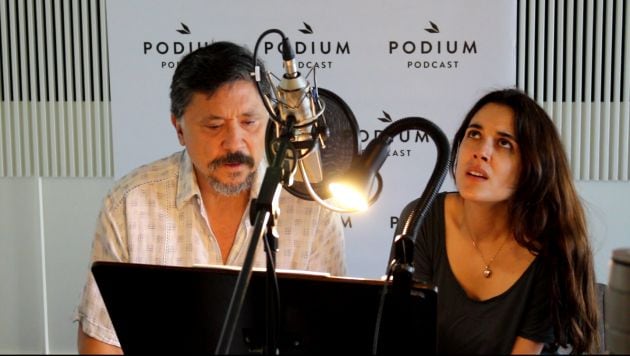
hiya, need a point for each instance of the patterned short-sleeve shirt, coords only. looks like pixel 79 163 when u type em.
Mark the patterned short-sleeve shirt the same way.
pixel 155 215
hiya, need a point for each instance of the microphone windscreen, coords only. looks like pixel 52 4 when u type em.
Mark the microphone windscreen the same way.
pixel 341 145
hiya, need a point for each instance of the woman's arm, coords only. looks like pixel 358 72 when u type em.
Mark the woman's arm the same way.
pixel 526 346
pixel 90 345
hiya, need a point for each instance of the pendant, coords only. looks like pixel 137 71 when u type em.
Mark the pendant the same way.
pixel 487 272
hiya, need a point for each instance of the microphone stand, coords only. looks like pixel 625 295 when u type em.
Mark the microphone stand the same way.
pixel 262 213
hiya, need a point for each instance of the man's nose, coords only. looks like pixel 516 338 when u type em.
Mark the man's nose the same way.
pixel 234 137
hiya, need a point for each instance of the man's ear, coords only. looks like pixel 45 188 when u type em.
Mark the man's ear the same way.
pixel 177 124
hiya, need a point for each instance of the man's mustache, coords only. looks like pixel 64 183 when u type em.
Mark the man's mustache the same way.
pixel 235 157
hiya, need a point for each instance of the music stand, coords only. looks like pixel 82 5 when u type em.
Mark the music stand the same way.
pixel 168 309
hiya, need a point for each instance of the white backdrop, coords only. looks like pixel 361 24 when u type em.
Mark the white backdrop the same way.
pixel 384 58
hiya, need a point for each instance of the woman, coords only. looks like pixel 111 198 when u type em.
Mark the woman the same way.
pixel 509 251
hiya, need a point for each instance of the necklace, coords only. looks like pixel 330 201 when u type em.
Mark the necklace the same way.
pixel 487 272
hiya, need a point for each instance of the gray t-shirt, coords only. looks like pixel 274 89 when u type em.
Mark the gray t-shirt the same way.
pixel 480 327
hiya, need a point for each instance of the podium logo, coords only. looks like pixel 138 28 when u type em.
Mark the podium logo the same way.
pixel 184 30
pixel 307 29
pixel 431 52
pixel 434 28
pixel 169 52
pixel 403 144
pixel 320 51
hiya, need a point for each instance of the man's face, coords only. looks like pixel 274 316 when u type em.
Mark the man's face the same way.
pixel 224 135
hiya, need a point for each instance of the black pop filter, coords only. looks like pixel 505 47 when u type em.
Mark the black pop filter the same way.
pixel 341 145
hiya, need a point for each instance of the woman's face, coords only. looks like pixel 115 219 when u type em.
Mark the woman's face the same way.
pixel 488 163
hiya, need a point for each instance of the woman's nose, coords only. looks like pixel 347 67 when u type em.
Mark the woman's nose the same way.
pixel 484 151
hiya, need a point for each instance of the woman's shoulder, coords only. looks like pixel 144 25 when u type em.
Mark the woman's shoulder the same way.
pixel 442 199
pixel 450 204
pixel 436 207
pixel 449 196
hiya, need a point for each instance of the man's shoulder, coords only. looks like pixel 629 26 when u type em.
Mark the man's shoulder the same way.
pixel 161 171
pixel 288 199
pixel 291 204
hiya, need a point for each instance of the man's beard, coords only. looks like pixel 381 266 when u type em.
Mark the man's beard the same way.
pixel 226 188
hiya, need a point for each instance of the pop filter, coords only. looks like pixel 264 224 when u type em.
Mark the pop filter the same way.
pixel 340 150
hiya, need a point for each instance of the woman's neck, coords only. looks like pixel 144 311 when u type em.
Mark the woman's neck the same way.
pixel 483 221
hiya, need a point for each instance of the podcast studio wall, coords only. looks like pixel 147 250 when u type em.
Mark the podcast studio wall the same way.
pixel 386 60
pixel 84 99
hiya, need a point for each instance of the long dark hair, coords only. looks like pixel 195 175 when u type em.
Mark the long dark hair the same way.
pixel 547 218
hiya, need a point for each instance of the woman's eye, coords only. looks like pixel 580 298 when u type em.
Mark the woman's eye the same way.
pixel 505 143
pixel 473 134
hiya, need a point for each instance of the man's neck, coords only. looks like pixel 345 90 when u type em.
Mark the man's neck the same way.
pixel 222 203
pixel 225 214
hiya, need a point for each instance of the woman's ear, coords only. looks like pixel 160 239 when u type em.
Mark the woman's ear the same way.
pixel 454 163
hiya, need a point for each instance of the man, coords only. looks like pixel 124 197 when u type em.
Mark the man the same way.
pixel 193 206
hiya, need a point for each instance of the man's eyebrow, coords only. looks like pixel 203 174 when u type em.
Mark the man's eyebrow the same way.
pixel 252 114
pixel 212 117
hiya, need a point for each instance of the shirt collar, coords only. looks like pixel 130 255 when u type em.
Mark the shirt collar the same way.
pixel 187 186
pixel 260 175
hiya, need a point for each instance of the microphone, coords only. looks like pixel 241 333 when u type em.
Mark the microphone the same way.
pixel 325 132
pixel 298 101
